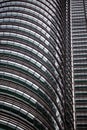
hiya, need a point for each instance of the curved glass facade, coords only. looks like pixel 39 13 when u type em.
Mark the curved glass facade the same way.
pixel 32 64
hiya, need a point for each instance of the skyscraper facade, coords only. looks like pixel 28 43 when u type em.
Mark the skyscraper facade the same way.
pixel 79 40
pixel 68 71
pixel 35 65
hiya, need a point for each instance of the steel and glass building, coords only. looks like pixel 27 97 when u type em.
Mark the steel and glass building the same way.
pixel 79 40
pixel 35 65
pixel 68 71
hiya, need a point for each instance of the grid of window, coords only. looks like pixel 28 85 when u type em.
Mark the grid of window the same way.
pixel 79 37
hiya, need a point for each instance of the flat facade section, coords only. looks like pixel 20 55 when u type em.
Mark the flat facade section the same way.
pixel 79 37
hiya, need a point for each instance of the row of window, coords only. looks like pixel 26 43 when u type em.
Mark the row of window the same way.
pixel 31 72
pixel 24 80
pixel 36 88
pixel 23 56
pixel 33 3
pixel 33 102
pixel 32 12
pixel 29 17
pixel 52 88
pixel 31 40
pixel 18 14
pixel 27 58
pixel 26 30
pixel 25 37
pixel 33 25
pixel 23 113
pixel 27 47
pixel 8 124
pixel 26 69
pixel 40 107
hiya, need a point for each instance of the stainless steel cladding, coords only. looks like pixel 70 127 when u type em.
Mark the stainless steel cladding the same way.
pixel 79 39
pixel 32 64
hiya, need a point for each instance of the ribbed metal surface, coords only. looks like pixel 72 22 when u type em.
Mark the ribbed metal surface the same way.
pixel 79 37
pixel 68 77
pixel 32 69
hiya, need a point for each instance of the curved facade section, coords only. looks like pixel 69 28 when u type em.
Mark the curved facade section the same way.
pixel 32 56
